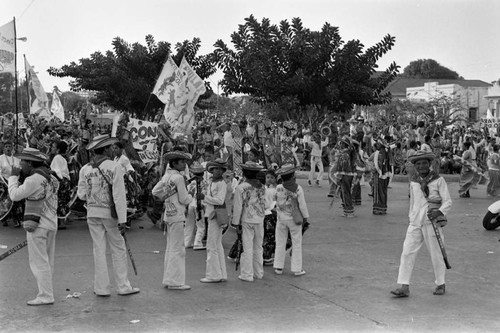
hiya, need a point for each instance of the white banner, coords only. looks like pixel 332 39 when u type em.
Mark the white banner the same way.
pixel 40 104
pixel 144 136
pixel 7 48
pixel 57 108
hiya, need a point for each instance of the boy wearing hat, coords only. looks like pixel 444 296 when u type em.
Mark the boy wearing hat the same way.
pixel 172 189
pixel 429 201
pixel 94 186
pixel 194 229
pixel 248 215
pixel 215 195
pixel 289 197
pixel 40 217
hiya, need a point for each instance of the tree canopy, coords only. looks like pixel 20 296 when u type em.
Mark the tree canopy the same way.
pixel 291 65
pixel 429 69
pixel 125 77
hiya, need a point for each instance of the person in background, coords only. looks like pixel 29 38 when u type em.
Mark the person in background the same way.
pixel 7 162
pixel 194 229
pixel 269 241
pixel 172 190
pixel 59 166
pixel 429 201
pixel 94 187
pixel 316 159
pixel 493 187
pixel 289 196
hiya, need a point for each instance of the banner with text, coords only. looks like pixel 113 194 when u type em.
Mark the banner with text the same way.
pixel 144 136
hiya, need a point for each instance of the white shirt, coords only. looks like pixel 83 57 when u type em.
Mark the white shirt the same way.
pixel 125 163
pixel 60 166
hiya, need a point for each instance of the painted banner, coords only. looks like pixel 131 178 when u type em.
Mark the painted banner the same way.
pixel 7 48
pixel 144 136
pixel 40 104
pixel 57 108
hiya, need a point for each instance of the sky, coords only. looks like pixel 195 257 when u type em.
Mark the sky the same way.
pixel 460 34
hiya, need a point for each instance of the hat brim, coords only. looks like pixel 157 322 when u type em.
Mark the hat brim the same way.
pixel 414 159
pixel 102 143
pixel 29 157
pixel 177 155
pixel 287 171
pixel 251 167
pixel 211 165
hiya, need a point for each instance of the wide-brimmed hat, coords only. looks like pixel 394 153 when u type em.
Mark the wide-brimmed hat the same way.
pixel 197 168
pixel 101 141
pixel 217 163
pixel 177 155
pixel 32 154
pixel 421 155
pixel 251 166
pixel 286 169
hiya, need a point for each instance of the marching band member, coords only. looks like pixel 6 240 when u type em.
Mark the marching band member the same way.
pixel 94 188
pixel 40 219
pixel 248 216
pixel 429 200
pixel 172 189
pixel 215 195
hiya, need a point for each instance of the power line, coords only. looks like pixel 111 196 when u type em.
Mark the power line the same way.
pixel 25 9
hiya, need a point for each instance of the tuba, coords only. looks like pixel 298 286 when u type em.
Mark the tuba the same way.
pixel 326 130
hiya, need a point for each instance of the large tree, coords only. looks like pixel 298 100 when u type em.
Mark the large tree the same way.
pixel 429 69
pixel 281 63
pixel 125 77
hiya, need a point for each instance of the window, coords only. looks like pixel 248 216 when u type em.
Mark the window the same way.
pixel 472 114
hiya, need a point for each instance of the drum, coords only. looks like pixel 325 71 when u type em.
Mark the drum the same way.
pixel 5 202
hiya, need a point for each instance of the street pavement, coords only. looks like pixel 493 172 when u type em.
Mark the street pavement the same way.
pixel 351 266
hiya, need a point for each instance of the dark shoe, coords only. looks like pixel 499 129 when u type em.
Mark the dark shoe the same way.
pixel 401 292
pixel 101 295
pixel 183 287
pixel 330 195
pixel 440 290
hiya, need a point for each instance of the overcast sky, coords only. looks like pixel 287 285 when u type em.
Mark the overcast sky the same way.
pixel 460 34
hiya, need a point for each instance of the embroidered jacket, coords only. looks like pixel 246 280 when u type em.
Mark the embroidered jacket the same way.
pixel 93 188
pixel 249 204
pixel 215 195
pixel 172 189
pixel 285 202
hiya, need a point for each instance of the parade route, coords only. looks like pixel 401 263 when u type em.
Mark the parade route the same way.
pixel 351 267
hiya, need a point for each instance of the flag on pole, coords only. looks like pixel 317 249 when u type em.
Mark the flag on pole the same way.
pixel 168 82
pixel 40 104
pixel 7 48
pixel 57 108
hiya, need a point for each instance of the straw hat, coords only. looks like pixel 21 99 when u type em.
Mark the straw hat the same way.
pixel 177 155
pixel 251 166
pixel 218 163
pixel 421 155
pixel 32 154
pixel 101 141
pixel 286 169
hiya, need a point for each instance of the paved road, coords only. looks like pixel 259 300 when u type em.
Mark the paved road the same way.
pixel 351 266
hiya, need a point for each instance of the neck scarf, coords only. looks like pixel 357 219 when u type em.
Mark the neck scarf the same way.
pixel 424 181
pixel 291 186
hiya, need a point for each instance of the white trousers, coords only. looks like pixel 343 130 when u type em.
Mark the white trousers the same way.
pixel 105 231
pixel 316 160
pixel 415 237
pixel 41 248
pixel 174 266
pixel 194 229
pixel 216 260
pixel 252 261
pixel 281 236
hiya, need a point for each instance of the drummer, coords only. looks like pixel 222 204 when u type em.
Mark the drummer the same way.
pixel 7 162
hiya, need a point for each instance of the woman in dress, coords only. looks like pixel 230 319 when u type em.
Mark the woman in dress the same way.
pixel 469 175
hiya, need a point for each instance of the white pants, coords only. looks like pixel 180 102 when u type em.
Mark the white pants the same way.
pixel 174 266
pixel 251 258
pixel 415 237
pixel 316 160
pixel 281 235
pixel 41 248
pixel 194 230
pixel 105 231
pixel 216 261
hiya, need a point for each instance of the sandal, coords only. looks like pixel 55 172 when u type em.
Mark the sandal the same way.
pixel 400 292
pixel 440 290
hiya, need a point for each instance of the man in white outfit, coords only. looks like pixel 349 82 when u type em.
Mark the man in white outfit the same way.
pixel 429 200
pixel 101 185
pixel 40 219
pixel 316 151
pixel 172 190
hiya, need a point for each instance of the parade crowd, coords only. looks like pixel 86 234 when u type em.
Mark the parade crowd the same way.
pixel 232 173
